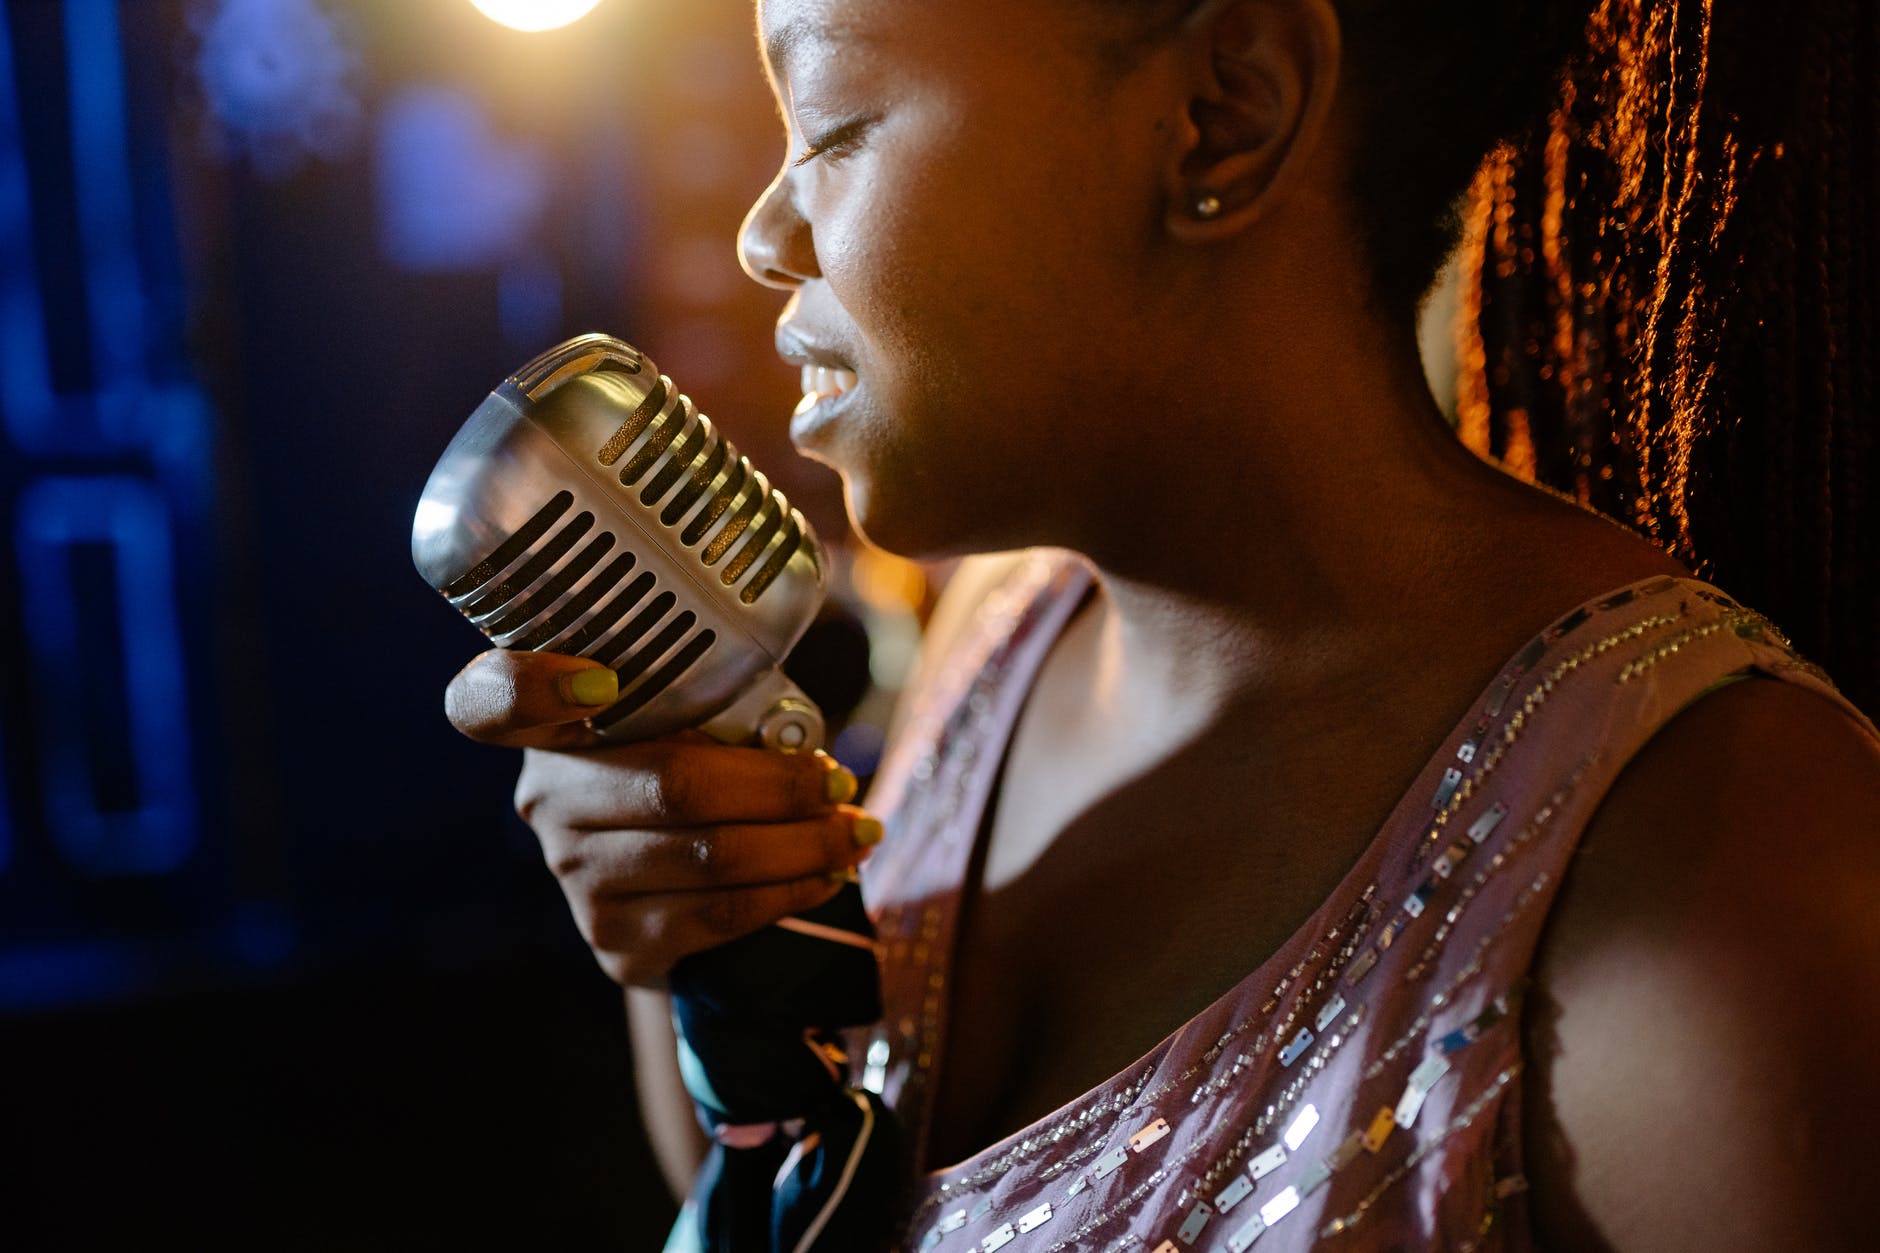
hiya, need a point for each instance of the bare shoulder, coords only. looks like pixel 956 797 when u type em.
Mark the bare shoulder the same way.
pixel 1707 997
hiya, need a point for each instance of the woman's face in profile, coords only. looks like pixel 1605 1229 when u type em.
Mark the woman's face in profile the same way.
pixel 969 198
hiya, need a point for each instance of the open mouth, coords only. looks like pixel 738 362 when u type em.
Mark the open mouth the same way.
pixel 822 383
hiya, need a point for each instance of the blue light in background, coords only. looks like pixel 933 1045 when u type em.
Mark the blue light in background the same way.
pixel 26 399
pixel 57 974
pixel 262 935
pixel 107 227
pixel 452 195
pixel 130 518
pixel 6 811
pixel 123 410
pixel 278 77
pixel 127 516
pixel 528 301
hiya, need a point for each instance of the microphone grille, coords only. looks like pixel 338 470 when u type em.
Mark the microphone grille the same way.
pixel 681 446
pixel 643 541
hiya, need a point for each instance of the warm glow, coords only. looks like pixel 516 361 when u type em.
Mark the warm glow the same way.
pixel 536 14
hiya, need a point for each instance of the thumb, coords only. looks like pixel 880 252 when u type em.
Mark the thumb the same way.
pixel 529 700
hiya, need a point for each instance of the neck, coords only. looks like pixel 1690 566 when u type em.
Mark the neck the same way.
pixel 1321 541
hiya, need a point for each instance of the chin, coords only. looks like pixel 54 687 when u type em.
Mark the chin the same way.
pixel 925 500
pixel 877 522
pixel 923 522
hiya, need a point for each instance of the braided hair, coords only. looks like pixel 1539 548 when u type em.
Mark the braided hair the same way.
pixel 1669 301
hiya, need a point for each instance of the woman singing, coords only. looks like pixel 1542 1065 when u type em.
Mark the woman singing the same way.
pixel 1303 832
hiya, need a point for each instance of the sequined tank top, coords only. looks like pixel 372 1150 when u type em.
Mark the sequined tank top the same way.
pixel 1357 1090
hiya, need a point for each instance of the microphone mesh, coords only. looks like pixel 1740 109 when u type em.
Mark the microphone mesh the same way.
pixel 570 562
pixel 682 443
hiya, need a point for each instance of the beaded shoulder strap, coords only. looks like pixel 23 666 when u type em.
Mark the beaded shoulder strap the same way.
pixel 931 794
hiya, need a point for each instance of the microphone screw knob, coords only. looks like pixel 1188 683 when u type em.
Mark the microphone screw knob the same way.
pixel 792 726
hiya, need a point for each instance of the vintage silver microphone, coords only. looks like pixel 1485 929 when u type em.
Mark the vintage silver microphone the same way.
pixel 588 507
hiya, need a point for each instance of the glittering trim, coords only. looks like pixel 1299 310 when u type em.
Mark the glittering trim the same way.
pixel 1119 1103
pixel 1460 1123
pixel 1239 1149
pixel 1730 621
pixel 1282 1105
pixel 1502 856
pixel 1356 920
pixel 1529 895
pixel 962 699
pixel 1518 721
pixel 1138 1094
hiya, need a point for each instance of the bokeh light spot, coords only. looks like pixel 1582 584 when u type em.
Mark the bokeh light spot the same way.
pixel 532 15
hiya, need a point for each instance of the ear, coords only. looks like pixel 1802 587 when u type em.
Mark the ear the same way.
pixel 1264 73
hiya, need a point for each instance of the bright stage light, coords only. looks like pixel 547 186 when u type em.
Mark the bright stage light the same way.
pixel 535 14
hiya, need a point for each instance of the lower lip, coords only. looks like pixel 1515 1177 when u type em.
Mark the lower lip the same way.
pixel 810 418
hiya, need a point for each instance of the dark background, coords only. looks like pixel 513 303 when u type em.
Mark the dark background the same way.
pixel 278 966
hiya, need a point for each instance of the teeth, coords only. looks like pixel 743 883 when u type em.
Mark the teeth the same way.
pixel 819 381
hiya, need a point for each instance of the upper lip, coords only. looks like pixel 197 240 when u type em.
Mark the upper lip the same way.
pixel 799 350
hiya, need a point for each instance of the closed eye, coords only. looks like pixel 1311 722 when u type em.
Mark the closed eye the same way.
pixel 838 142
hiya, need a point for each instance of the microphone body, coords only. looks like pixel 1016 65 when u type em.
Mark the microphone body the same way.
pixel 587 507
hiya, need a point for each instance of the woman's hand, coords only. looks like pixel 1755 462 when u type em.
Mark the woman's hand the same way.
pixel 665 847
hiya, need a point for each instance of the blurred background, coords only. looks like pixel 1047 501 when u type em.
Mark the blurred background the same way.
pixel 278 966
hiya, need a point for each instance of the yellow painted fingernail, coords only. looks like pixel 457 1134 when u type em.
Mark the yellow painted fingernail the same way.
pixel 867 831
pixel 845 876
pixel 840 785
pixel 599 686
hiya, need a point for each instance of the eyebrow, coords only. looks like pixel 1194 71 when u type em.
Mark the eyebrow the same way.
pixel 791 37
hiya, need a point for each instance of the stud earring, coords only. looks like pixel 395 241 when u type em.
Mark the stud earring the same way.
pixel 1207 206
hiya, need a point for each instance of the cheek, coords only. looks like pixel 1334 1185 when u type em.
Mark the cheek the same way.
pixel 905 275
pixel 980 284
pixel 909 229
pixel 899 247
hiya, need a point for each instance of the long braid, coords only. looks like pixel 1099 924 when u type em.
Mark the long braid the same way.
pixel 1676 312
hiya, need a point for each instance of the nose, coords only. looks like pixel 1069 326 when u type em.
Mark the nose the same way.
pixel 774 244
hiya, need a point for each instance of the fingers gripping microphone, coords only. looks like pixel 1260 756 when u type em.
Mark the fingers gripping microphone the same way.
pixel 587 507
